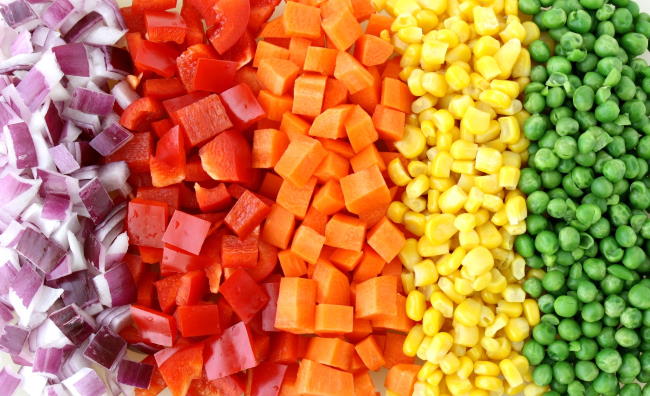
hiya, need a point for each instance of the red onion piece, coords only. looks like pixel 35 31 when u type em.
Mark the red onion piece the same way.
pixel 13 339
pixel 73 323
pixel 82 27
pixel 111 139
pixel 134 374
pixel 9 381
pixel 48 361
pixel 116 286
pixel 63 159
pixel 96 200
pixel 39 250
pixel 93 102
pixel 17 12
pixel 21 146
pixel 105 348
pixel 56 14
pixel 85 382
pixel 73 59
pixel 56 207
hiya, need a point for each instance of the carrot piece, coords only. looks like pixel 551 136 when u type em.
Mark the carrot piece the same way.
pixel 376 297
pixel 333 352
pixel 342 29
pixel 389 156
pixel 367 158
pixel 361 328
pixel 300 160
pixel 295 199
pixel 292 265
pixel 333 7
pixel 308 94
pixel 278 227
pixel 363 385
pixel 335 94
pixel 401 378
pixel 270 185
pixel 330 123
pixel 211 199
pixel 274 105
pixel 333 285
pixel 346 260
pixel 277 75
pixel 275 29
pixel 396 95
pixel 307 244
pixel 392 69
pixel 292 125
pixel 398 322
pixel 362 9
pixel 320 60
pixel 345 232
pixel 360 129
pixel 370 353
pixel 333 167
pixel 386 239
pixel 352 73
pixel 356 365
pixel 368 98
pixel 298 50
pixel 389 122
pixel 393 352
pixel 365 190
pixel 339 147
pixel 266 50
pixel 296 305
pixel 300 20
pixel 268 146
pixel 372 51
pixel 315 220
pixel 333 319
pixel 377 23
pixel 370 266
pixel 317 379
pixel 329 198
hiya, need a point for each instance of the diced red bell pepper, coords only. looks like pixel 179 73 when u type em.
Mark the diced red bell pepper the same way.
pixel 153 5
pixel 156 327
pixel 159 58
pixel 214 75
pixel 175 261
pixel 194 170
pixel 163 88
pixel 266 261
pixel 194 24
pixel 179 370
pixel 188 62
pixel 198 320
pixel 232 385
pixel 157 383
pixel 161 127
pixel 146 222
pixel 261 11
pixel 239 253
pixel 227 158
pixel 192 287
pixel 134 42
pixel 169 195
pixel 134 20
pixel 242 52
pixel 229 25
pixel 244 295
pixel 248 212
pixel 205 8
pixel 150 255
pixel 261 345
pixel 135 265
pixel 204 119
pixel 140 113
pixel 229 354
pixel 165 26
pixel 242 106
pixel 138 180
pixel 247 75
pixel 284 348
pixel 135 153
pixel 173 105
pixel 145 290
pixel 186 232
pixel 168 165
pixel 267 379
pixel 227 316
pixel 167 290
pixel 268 313
pixel 211 199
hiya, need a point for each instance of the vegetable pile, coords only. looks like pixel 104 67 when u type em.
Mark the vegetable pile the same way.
pixel 588 232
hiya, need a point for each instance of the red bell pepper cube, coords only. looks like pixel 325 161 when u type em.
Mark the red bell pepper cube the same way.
pixel 266 261
pixel 168 165
pixel 198 320
pixel 186 232
pixel 204 119
pixel 214 75
pixel 134 20
pixel 248 213
pixel 242 51
pixel 231 353
pixel 232 385
pixel 191 288
pixel 211 199
pixel 268 313
pixel 135 265
pixel 267 379
pixel 146 222
pixel 135 153
pixel 227 158
pixel 165 26
pixel 145 295
pixel 285 348
pixel 169 195
pixel 182 367
pixel 167 290
pixel 173 105
pixel 140 113
pixel 153 5
pixel 159 58
pixel 242 106
pixel 244 295
pixel 150 255
pixel 194 24
pixel 238 253
pixel 175 261
pixel 188 62
pixel 194 171
pixel 161 127
pixel 261 11
pixel 163 88
pixel 205 8
pixel 155 327
pixel 229 26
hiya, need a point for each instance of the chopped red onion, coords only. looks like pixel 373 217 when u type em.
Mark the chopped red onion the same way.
pixel 22 44
pixel 17 12
pixel 85 382
pixel 54 124
pixel 116 318
pixel 72 59
pixel 39 250
pixel 56 207
pixel 134 374
pixel 63 159
pixel 118 60
pixel 111 139
pixel 22 153
pixel 73 323
pixel 48 361
pixel 77 289
pixel 55 390
pixel 24 289
pixel 33 89
pixel 124 94
pixel 115 287
pixel 96 200
pixel 82 27
pixel 105 348
pixel 48 335
pixel 56 14
pixel 33 384
pixel 93 102
pixel 9 381
pixel 8 272
pixel 13 339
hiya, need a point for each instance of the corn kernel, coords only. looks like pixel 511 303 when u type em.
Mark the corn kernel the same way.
pixel 452 200
pixel 463 286
pixel 410 35
pixel 408 281
pixel 428 249
pixel 463 150
pixel 432 321
pixel 415 305
pixel 486 368
pixel 446 285
pixel 482 281
pixel 485 21
pixel 457 78
pixel 433 54
pixel 398 173
pixel 511 309
pixel 417 186
pixel 467 336
pixel 467 312
pixel 456 385
pixel 509 178
pixel 488 67
pixel 449 364
pixel 427 19
pixel 420 104
pixel 510 372
pixel 517 329
pixel 440 345
pixel 437 6
pixel 442 184
pixel 426 273
pixel 468 239
pixel 409 254
pixel 432 201
pixel 513 30
pixel 459 104
pixel 441 303
pixel 415 204
pixel 488 160
pixel 488 383
pixel 434 83
pixel 522 66
pixel 424 347
pixel 440 228
pixel 476 353
pixel 496 98
pixel 532 32
pixel 476 121
pixel 485 46
pixel 396 211
pixel 531 312
pixel 426 370
pixel 460 53
pixel 507 56
pixel 414 82
pixel 435 378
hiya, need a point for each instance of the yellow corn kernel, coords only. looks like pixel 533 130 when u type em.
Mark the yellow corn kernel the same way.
pixel 474 200
pixel 465 222
pixel 489 235
pixel 467 312
pixel 410 35
pixel 466 367
pixel 400 46
pixel 408 281
pixel 520 362
pixel 468 239
pixel 415 204
pixel 458 350
pixel 440 345
pixel 478 261
pixel 446 36
pixel 449 364
pixel 442 184
pixel 396 211
pixel 459 26
pixel 509 178
pixel 460 53
pixel 440 228
pixel 417 186
pixel 415 305
pixel 425 273
pixel 515 229
pixel 493 203
pixel 513 30
pixel 476 353
pixel 457 78
pixel 422 103
pixel 426 370
pixel 510 88
pixel 489 184
pixel 510 372
pixel 522 66
pixel 488 67
pixel 413 143
pixel 437 6
pixel 488 160
pixel 511 159
pixel 496 98
pixel 500 218
pixel 507 56
pixel 485 46
pixel 459 104
pixel 403 21
pixel 456 385
pixel 412 120
pixel 485 21
pixel 427 19
pixel 531 312
pixel 533 389
pixel 417 168
pixel 446 285
pixel 442 303
pixel 475 121
pixel 433 54
pixel 488 383
pixel 467 336
pixel 502 351
pixel 479 392
pixel 508 241
pixel 466 181
pixel 428 249
pixel 424 347
pixel 517 329
pixel 511 309
pixel 463 286
pixel 440 166
pixel 398 173
pixel 415 223
pixel 520 146
pixel 435 378
pixel 532 32
pixel 452 200
pixel 409 254
pixel 432 321
pixel 450 263
pixel 434 83
pixel 482 281
pixel 487 316
pixel 414 82
pixel 432 201
pixel 463 150
pixel 498 284
pixel 443 121
pixel 463 167
pixel 516 209
pixel 482 217
pixel 486 368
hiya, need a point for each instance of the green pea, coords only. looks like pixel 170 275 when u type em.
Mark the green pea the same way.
pixel 537 202
pixel 539 52
pixel 576 388
pixel 626 88
pixel 583 98
pixel 543 375
pixel 588 214
pixel 623 21
pixel 638 296
pixel 609 360
pixel 614 170
pixel 605 65
pixel 639 195
pixel 553 18
pixel 600 229
pixel 569 239
pixel 588 349
pixel 592 4
pixel 634 257
pixel 611 250
pixel 551 179
pixel 605 28
pixel 563 372
pixel 524 245
pixel 533 351
pixel 571 41
pixel 620 214
pixel 605 383
pixel 643 148
pixel 555 97
pixel 544 333
pixel 538 74
pixel 586 371
pixel 558 64
pixel 535 127
pixel 591 330
pixel 617 146
pixel 587 291
pixel 534 103
pixel 625 236
pixel 590 62
pixel 592 312
pixel 607 112
pixel 533 287
pixel 627 338
pixel 546 242
pixel 558 350
pixel 631 390
pixel 545 159
pixel 529 7
pixel 585 119
pixel 611 284
pixel 602 188
pixel 579 21
pixel 606 46
pixel 545 303
pixel 631 318
pixel 582 177
pixel 634 43
pixel 566 306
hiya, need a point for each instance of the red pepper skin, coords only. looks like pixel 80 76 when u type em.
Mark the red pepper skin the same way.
pixel 168 165
pixel 242 51
pixel 186 232
pixel 182 367
pixel 198 320
pixel 135 265
pixel 268 313
pixel 163 26
pixel 169 195
pixel 227 158
pixel 211 199
pixel 230 353
pixel 156 327
pixel 153 5
pixel 248 212
pixel 204 119
pixel 159 58
pixel 285 348
pixel 205 8
pixel 266 261
pixel 267 379
pixel 140 113
pixel 135 153
pixel 242 105
pixel 175 261
pixel 188 61
pixel 150 255
pixel 194 170
pixel 214 75
pixel 145 296
pixel 146 222
pixel 245 296
pixel 167 290
pixel 157 383
pixel 233 385
pixel 192 18
pixel 192 287
pixel 161 127
pixel 173 105
pixel 134 20
pixel 163 88
pixel 238 253
pixel 228 27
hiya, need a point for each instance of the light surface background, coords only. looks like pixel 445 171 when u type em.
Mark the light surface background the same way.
pixel 377 377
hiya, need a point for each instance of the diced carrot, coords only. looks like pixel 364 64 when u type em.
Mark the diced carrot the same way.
pixel 308 94
pixel 396 95
pixel 388 156
pixel 296 305
pixel 211 199
pixel 277 75
pixel 367 158
pixel 248 76
pixel 372 51
pixel 368 98
pixel 361 328
pixel 301 20
pixel 268 147
pixel 370 353
pixel 274 106
pixel 300 160
pixel 356 365
pixel 376 297
pixel 333 352
pixel 333 7
pixel 362 9
pixel 339 147
pixel 293 125
pixel 317 379
pixel 377 23
pixel 342 29
pixel 398 322
pixel 335 93
pixel 330 123
pixel 329 198
pixel 389 122
pixel 292 265
pixel 315 220
pixel 365 190
pixel 274 29
pixel 333 319
pixel 360 129
pixel 392 69
pixel 386 239
pixel 401 379
pixel 363 385
pixel 307 244
pixel 352 73
pixel 393 268
pixel 298 50
pixel 333 285
pixel 345 232
pixel 279 226
pixel 295 199
pixel 333 167
pixel 270 185
pixel 393 352
pixel 370 266
pixel 266 50
pixel 346 260
pixel 320 60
